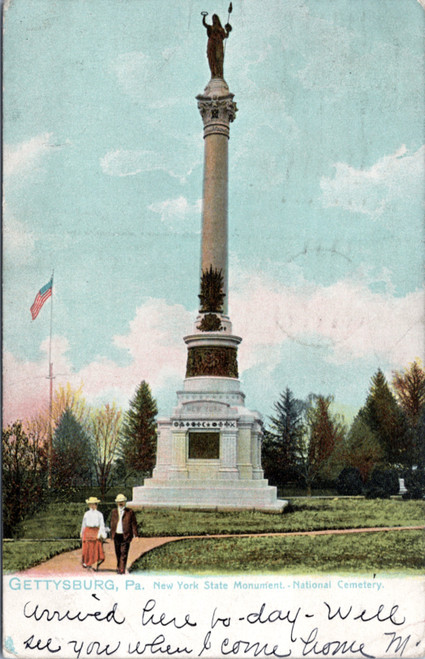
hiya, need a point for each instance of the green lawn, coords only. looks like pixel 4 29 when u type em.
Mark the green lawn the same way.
pixel 371 553
pixel 58 520
pixel 63 520
pixel 305 514
pixel 54 530
pixel 61 523
pixel 21 554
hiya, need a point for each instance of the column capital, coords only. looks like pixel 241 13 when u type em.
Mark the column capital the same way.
pixel 217 113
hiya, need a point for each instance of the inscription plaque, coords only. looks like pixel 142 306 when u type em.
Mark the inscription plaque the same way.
pixel 204 446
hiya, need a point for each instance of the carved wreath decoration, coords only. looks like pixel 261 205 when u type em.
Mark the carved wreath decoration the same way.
pixel 212 295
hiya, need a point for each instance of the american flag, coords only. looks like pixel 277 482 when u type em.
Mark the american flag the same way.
pixel 42 295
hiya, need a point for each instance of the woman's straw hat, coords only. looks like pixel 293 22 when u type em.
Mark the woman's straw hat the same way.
pixel 92 500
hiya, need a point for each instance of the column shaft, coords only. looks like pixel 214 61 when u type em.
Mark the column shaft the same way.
pixel 214 221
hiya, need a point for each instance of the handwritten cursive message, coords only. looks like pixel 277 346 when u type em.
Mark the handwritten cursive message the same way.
pixel 211 618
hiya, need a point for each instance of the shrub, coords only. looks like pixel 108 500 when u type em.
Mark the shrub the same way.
pixel 414 482
pixel 382 484
pixel 349 481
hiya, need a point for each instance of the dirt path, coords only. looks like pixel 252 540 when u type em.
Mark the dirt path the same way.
pixel 70 562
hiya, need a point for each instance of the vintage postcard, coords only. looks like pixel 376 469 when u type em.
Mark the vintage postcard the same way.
pixel 213 436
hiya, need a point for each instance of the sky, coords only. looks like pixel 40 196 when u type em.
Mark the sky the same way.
pixel 103 160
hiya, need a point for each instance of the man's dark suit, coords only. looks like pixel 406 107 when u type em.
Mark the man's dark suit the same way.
pixel 122 540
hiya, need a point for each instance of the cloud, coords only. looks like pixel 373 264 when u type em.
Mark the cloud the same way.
pixel 335 60
pixel 127 163
pixel 25 383
pixel 137 72
pixel 318 43
pixel 19 159
pixel 174 211
pixel 18 241
pixel 373 190
pixel 123 162
pixel 153 342
pixel 346 321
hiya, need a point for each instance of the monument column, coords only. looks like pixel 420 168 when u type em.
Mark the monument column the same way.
pixel 209 448
pixel 217 110
pixel 212 350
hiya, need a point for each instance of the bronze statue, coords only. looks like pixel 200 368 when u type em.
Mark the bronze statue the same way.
pixel 215 51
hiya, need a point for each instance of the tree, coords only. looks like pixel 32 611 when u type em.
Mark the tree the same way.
pixel 64 398
pixel 72 458
pixel 139 431
pixel 283 442
pixel 323 442
pixel 24 476
pixel 105 427
pixel 409 386
pixel 420 440
pixel 362 448
pixel 386 419
pixel 44 424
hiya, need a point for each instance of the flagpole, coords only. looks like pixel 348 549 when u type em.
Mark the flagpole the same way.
pixel 50 377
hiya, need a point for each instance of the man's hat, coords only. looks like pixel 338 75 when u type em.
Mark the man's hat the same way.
pixel 92 500
pixel 120 497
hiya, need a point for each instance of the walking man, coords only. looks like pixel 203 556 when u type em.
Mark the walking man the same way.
pixel 123 530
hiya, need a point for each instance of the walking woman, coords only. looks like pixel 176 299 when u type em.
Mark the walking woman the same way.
pixel 92 533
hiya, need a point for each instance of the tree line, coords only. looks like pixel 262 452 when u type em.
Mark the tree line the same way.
pixel 91 446
pixel 305 444
pixel 308 445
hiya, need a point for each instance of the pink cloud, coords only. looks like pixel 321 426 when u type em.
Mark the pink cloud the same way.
pixel 346 320
pixel 26 384
pixel 154 342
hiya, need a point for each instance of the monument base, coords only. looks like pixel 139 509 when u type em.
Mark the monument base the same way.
pixel 209 453
pixel 214 494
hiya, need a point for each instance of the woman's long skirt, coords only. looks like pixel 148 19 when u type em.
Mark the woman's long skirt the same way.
pixel 92 547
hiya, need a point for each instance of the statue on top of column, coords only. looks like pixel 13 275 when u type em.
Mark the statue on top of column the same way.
pixel 215 51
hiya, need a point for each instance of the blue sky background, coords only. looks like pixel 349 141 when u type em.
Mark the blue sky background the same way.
pixel 103 155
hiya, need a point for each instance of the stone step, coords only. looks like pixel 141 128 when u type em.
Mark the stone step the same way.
pixel 207 484
pixel 227 496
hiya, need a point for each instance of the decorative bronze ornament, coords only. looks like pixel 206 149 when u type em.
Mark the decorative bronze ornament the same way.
pixel 211 295
pixel 212 360
pixel 210 323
